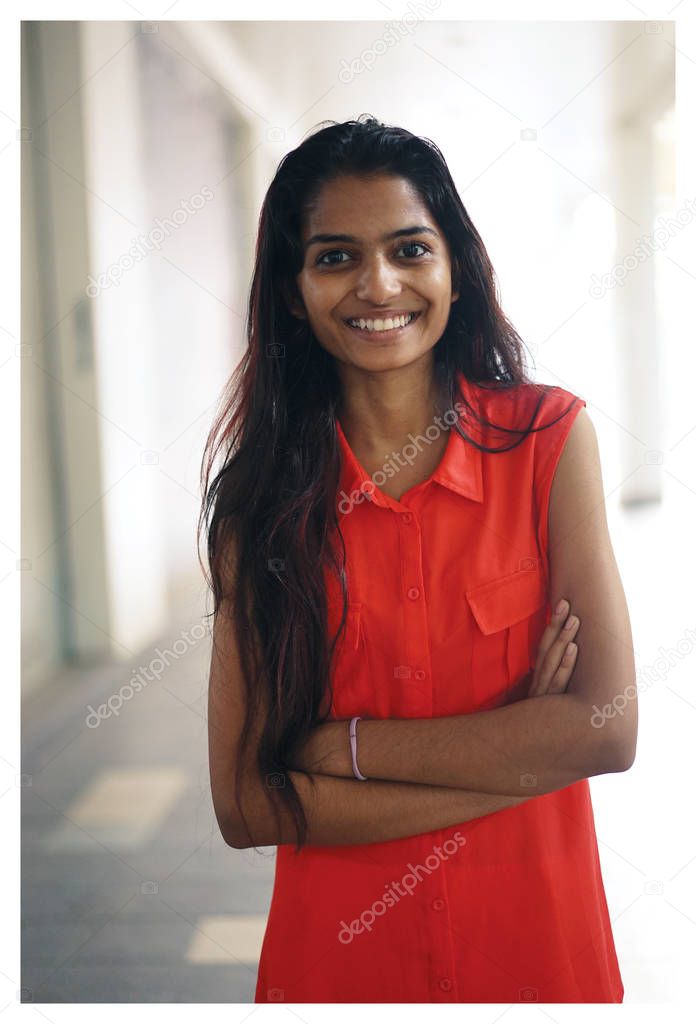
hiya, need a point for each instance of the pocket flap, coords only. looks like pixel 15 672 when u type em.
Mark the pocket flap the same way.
pixel 506 600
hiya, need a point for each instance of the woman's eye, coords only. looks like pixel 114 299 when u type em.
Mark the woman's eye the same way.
pixel 324 260
pixel 334 252
pixel 409 245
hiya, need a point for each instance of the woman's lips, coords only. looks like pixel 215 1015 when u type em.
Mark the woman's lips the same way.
pixel 394 333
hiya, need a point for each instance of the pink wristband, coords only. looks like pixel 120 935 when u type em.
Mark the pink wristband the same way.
pixel 353 748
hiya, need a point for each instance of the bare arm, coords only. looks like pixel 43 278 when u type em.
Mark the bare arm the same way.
pixel 339 811
pixel 553 740
pixel 532 744
pixel 347 811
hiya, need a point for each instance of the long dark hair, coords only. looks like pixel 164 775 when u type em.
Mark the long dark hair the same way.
pixel 274 451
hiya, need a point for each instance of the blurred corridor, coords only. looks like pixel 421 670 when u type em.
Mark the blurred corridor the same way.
pixel 129 893
pixel 150 148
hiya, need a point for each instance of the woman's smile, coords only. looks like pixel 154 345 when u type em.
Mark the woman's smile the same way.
pixel 388 330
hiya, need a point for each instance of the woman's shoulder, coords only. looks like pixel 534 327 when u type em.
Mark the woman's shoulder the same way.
pixel 524 404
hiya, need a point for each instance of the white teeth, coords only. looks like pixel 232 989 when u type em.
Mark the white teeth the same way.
pixel 383 325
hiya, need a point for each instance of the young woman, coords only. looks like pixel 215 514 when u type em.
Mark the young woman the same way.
pixel 404 533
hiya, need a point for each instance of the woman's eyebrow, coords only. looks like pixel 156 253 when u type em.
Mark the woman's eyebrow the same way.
pixel 416 229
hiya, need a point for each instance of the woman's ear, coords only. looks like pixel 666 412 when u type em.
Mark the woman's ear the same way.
pixel 293 301
pixel 456 277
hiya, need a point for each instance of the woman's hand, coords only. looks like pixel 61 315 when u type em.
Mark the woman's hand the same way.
pixel 325 751
pixel 556 656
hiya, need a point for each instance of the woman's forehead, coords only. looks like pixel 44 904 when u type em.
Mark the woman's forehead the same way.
pixel 374 205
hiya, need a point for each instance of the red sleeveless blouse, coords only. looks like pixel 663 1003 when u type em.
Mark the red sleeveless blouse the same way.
pixel 448 600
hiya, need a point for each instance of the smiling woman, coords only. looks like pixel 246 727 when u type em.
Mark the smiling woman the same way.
pixel 395 285
pixel 380 364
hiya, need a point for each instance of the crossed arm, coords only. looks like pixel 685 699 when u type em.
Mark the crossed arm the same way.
pixel 536 745
pixel 533 746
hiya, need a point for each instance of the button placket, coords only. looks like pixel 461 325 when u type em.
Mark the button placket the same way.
pixel 442 964
pixel 417 699
pixel 435 916
pixel 436 910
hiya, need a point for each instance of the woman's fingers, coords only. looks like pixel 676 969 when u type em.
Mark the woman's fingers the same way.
pixel 552 630
pixel 562 675
pixel 555 659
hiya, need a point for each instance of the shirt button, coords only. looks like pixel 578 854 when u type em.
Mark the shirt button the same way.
pixel 438 904
pixel 413 593
pixel 406 517
pixel 419 673
pixel 445 984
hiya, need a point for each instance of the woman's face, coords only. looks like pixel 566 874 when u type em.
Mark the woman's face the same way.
pixel 391 259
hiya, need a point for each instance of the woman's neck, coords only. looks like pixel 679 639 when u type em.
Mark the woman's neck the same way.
pixel 378 413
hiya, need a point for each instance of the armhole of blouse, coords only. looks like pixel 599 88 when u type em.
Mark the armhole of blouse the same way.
pixel 548 462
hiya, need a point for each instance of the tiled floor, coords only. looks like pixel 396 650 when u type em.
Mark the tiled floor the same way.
pixel 129 892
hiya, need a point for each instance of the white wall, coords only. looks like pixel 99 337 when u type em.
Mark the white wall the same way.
pixel 64 595
pixel 111 489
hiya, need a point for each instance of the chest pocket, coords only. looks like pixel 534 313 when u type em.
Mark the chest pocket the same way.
pixel 509 615
pixel 350 676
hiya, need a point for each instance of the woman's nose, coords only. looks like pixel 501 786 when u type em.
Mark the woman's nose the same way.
pixel 377 282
